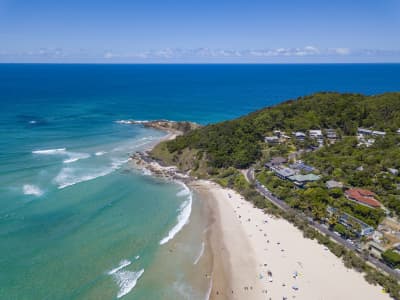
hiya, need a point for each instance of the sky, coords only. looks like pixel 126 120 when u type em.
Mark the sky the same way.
pixel 200 31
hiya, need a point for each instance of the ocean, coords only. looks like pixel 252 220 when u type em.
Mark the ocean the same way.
pixel 76 220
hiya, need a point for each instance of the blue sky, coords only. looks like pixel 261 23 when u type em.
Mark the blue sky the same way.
pixel 200 31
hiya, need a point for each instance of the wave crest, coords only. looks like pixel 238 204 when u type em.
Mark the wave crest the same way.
pixel 183 218
pixel 122 264
pixel 50 151
pixel 30 189
pixel 126 280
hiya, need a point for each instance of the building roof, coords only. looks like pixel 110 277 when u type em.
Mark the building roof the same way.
pixel 302 166
pixel 271 139
pixel 364 130
pixel 284 172
pixel 363 196
pixel 277 160
pixel 304 178
pixel 315 132
pixel 373 132
pixel 299 134
pixel 330 184
pixel 348 219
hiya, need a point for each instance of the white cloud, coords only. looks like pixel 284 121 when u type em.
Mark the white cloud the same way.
pixel 308 53
pixel 108 55
pixel 343 51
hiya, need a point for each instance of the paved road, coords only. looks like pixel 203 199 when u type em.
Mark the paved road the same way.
pixel 283 205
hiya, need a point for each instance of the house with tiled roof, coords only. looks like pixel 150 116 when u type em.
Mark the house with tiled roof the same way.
pixel 362 196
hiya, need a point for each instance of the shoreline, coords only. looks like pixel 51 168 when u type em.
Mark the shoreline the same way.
pixel 267 257
pixel 257 256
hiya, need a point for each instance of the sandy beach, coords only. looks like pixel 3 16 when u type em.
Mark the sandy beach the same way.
pixel 257 256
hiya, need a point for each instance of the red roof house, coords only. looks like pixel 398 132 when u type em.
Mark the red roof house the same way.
pixel 362 196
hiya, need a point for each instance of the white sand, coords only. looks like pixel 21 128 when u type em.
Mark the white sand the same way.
pixel 244 247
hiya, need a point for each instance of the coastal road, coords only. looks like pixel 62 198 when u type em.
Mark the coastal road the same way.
pixel 320 227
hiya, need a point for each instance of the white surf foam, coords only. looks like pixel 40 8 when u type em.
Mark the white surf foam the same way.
pixel 50 151
pixel 131 121
pixel 74 156
pixel 100 153
pixel 146 172
pixel 200 254
pixel 122 264
pixel 183 193
pixel 69 176
pixel 126 281
pixel 183 218
pixel 30 189
pixel 124 121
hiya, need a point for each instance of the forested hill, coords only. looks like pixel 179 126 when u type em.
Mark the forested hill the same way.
pixel 239 143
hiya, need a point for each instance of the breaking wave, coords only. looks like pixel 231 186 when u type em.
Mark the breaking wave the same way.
pixel 183 218
pixel 126 280
pixel 131 121
pixel 124 121
pixel 100 153
pixel 50 151
pixel 123 263
pixel 72 156
pixel 183 193
pixel 30 189
pixel 70 176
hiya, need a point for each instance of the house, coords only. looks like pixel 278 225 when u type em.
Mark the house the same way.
pixel 283 173
pixel 363 131
pixel 332 184
pixel 351 223
pixel 377 237
pixel 331 134
pixel 301 180
pixel 300 135
pixel 375 249
pixel 315 134
pixel 277 160
pixel 302 167
pixel 378 133
pixel 364 141
pixel 271 139
pixel 363 197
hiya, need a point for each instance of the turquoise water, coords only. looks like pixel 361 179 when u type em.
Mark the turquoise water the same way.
pixel 76 221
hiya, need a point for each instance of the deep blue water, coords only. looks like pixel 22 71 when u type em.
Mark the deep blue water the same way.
pixel 71 208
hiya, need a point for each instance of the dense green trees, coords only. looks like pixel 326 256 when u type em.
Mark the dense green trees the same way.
pixel 239 142
pixel 392 258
